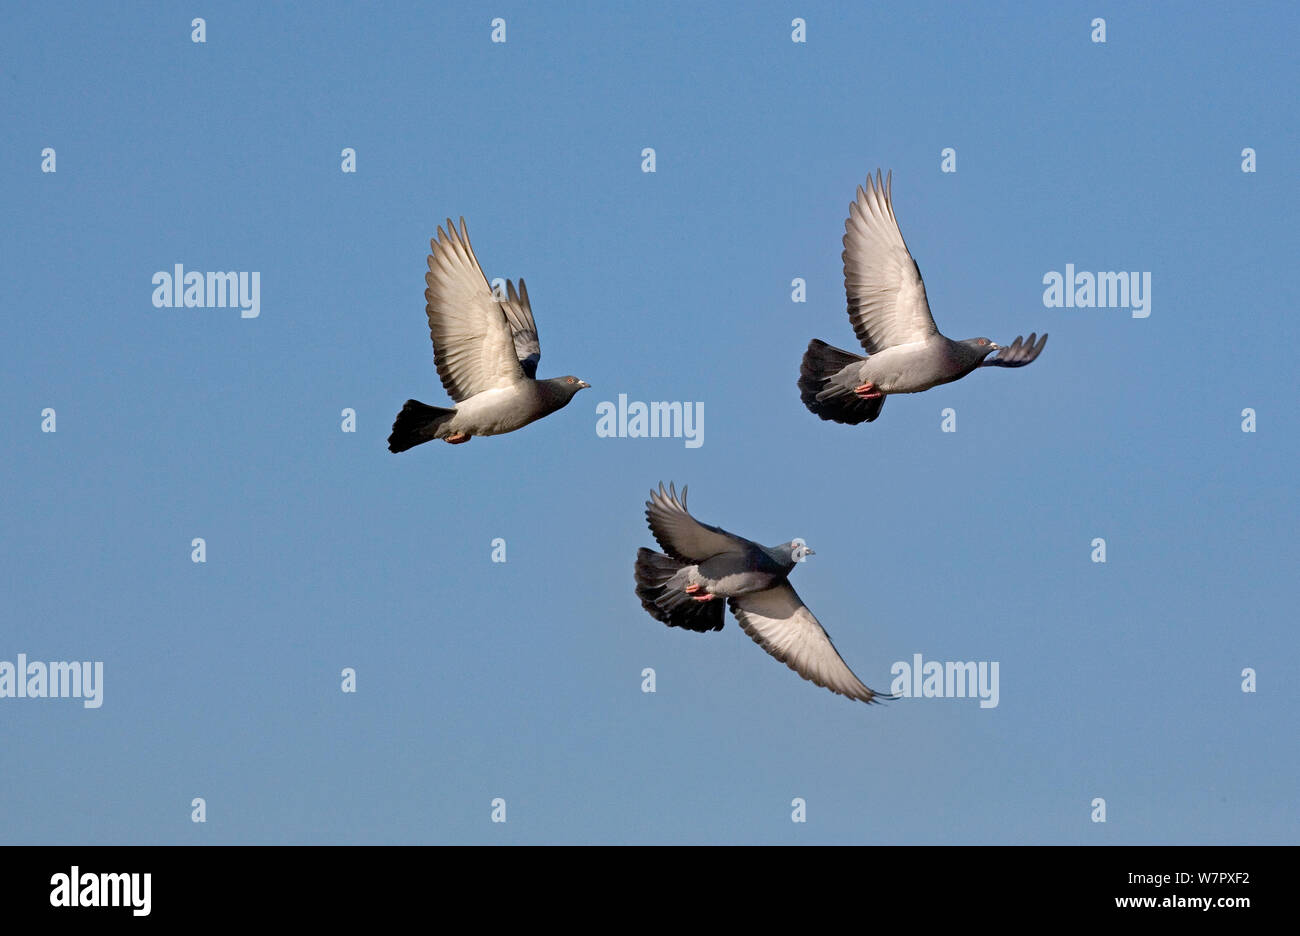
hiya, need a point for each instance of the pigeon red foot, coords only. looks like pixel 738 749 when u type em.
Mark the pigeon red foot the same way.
pixel 692 589
pixel 456 438
pixel 868 391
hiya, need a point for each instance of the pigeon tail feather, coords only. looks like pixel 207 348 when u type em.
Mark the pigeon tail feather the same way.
pixel 821 362
pixel 667 601
pixel 416 424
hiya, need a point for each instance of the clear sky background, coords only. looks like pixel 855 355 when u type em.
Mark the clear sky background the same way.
pixel 522 679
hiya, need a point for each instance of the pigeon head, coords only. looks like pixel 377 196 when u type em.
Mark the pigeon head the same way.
pixel 791 553
pixel 975 350
pixel 562 389
pixel 982 346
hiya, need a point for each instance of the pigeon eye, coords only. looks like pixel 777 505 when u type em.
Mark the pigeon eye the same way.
pixel 570 380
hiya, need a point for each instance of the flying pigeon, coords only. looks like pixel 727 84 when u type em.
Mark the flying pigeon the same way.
pixel 486 350
pixel 892 319
pixel 705 563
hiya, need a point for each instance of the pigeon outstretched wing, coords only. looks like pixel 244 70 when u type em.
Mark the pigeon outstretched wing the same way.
pixel 473 347
pixel 522 327
pixel 682 536
pixel 781 624
pixel 886 296
pixel 1018 354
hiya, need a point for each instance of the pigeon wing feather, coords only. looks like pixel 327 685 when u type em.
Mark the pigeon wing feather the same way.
pixel 1017 354
pixel 682 536
pixel 473 347
pixel 523 329
pixel 781 624
pixel 886 296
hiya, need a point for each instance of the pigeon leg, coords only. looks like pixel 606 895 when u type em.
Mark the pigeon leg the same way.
pixel 702 596
pixel 456 438
pixel 868 391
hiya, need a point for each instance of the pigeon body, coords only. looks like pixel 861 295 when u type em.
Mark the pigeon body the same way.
pixel 486 350
pixel 702 563
pixel 891 316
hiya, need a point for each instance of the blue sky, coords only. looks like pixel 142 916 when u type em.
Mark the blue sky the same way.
pixel 522 680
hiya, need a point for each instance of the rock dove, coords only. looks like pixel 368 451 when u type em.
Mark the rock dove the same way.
pixel 486 350
pixel 705 563
pixel 892 319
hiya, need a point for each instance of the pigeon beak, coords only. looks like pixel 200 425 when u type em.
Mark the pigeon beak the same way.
pixel 583 383
pixel 810 552
pixel 995 346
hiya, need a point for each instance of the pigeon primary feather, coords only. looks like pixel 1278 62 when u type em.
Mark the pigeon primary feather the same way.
pixel 486 350
pixel 891 317
pixel 702 564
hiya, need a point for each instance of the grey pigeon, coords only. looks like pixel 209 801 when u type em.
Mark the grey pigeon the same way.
pixel 486 350
pixel 892 319
pixel 705 563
